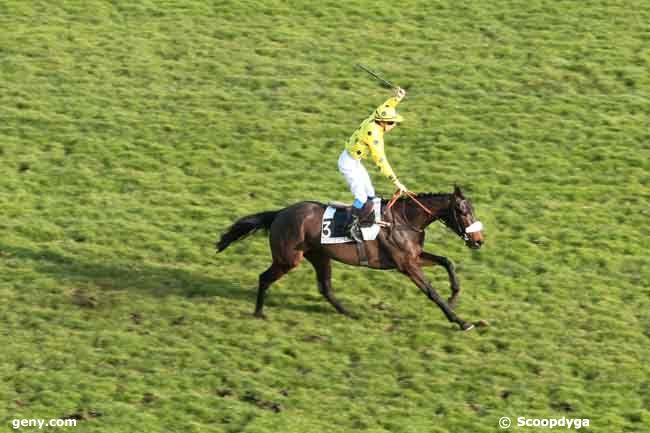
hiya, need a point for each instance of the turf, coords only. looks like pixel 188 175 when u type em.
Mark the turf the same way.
pixel 133 133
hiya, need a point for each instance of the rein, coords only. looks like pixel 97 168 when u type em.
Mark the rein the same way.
pixel 412 197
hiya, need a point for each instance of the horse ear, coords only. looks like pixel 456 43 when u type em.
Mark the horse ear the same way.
pixel 457 192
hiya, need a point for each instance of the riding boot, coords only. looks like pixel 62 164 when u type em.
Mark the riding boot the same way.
pixel 363 217
pixel 367 214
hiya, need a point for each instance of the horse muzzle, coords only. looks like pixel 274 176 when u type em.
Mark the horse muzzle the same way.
pixel 474 235
pixel 476 226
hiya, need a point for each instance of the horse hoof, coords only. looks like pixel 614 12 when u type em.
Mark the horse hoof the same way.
pixel 467 326
pixel 260 316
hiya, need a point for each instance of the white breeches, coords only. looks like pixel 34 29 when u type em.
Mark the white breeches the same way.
pixel 356 176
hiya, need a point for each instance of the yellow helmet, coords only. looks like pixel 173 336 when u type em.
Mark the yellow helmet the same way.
pixel 387 113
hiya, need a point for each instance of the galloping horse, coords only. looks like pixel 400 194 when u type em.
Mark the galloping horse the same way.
pixel 295 232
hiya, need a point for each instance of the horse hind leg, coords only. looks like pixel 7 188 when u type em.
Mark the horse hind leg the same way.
pixel 323 267
pixel 268 277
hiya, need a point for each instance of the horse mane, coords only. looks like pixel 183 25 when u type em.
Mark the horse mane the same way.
pixel 421 196
pixel 424 195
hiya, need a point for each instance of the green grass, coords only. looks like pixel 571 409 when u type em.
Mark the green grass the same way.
pixel 133 133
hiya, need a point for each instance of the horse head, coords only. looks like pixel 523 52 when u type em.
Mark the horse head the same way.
pixel 460 218
pixel 454 210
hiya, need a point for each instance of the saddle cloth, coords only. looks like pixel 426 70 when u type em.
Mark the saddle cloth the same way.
pixel 335 218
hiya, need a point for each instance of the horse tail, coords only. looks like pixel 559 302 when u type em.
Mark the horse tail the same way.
pixel 245 227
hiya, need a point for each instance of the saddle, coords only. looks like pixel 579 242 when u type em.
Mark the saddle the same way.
pixel 337 217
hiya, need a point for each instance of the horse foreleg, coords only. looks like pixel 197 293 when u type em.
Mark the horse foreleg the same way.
pixel 427 259
pixel 417 276
pixel 323 267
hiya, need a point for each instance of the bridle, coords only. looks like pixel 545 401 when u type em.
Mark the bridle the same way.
pixel 476 226
pixel 458 229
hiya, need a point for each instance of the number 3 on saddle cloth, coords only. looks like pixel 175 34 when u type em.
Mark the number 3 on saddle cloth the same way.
pixel 336 218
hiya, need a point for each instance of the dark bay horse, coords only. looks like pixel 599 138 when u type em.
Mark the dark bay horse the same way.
pixel 295 232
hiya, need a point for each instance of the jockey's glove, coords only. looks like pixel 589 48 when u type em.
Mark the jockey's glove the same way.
pixel 400 186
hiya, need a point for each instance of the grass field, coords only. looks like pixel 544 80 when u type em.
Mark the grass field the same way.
pixel 133 133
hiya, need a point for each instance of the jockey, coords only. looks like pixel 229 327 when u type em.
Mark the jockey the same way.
pixel 369 139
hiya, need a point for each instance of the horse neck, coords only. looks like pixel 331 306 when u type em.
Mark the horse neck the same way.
pixel 437 204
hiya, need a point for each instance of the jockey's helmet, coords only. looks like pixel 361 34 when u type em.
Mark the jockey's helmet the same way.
pixel 387 114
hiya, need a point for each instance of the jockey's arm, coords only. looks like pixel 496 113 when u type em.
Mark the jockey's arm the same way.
pixel 393 101
pixel 376 144
pixel 379 157
pixel 390 102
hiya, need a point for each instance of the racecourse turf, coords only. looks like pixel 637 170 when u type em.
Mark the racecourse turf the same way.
pixel 132 134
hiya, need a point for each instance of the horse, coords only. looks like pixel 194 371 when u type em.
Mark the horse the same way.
pixel 295 233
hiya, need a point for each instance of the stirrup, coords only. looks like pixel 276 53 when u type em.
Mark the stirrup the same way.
pixel 355 230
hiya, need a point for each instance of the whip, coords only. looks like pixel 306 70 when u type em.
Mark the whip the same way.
pixel 374 74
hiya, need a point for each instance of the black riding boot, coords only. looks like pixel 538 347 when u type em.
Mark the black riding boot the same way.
pixel 361 217
pixel 367 216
